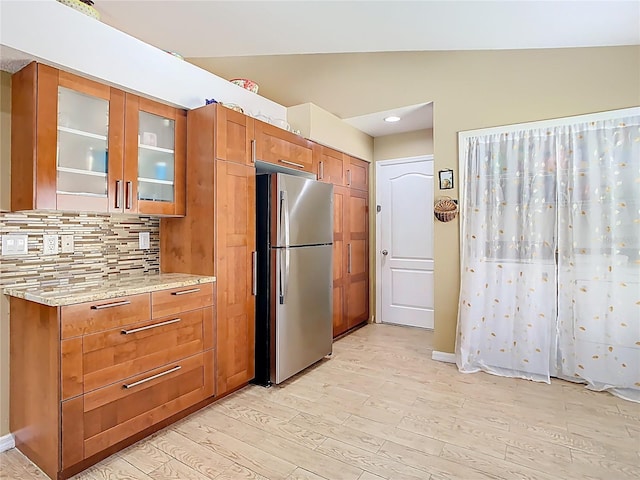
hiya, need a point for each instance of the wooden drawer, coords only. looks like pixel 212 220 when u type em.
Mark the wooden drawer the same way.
pixel 91 317
pixel 275 145
pixel 123 352
pixel 183 299
pixel 111 414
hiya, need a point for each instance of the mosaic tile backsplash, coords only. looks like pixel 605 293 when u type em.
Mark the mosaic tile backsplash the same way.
pixel 104 246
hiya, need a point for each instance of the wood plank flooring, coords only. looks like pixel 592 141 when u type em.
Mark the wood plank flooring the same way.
pixel 380 408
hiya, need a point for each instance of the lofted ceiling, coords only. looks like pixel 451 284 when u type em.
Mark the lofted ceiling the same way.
pixel 207 33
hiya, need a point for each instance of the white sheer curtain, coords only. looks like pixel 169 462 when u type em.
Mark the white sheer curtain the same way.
pixel 550 255
pixel 508 289
pixel 599 256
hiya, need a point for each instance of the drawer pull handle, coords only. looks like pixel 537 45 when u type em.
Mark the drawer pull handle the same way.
pixel 184 292
pixel 149 327
pixel 152 377
pixel 287 162
pixel 110 305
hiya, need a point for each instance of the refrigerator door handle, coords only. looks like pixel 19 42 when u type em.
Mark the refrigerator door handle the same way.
pixel 254 273
pixel 283 274
pixel 284 218
pixel 287 262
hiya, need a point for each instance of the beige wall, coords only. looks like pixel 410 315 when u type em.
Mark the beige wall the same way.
pixel 5 201
pixel 323 127
pixel 403 145
pixel 470 90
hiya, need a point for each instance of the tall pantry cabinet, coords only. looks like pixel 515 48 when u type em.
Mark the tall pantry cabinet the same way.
pixel 350 180
pixel 217 237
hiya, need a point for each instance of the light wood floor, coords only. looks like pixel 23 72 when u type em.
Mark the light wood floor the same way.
pixel 381 408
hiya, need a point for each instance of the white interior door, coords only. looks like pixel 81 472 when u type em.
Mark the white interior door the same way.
pixel 404 190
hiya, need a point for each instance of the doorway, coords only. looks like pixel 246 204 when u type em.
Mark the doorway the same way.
pixel 404 238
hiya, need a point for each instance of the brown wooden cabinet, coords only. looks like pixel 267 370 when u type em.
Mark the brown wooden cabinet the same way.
pixel 218 235
pixel 357 174
pixel 235 258
pixel 332 166
pixel 234 139
pixel 357 305
pixel 349 176
pixel 350 237
pixel 340 240
pixel 106 371
pixel 280 147
pixel 76 146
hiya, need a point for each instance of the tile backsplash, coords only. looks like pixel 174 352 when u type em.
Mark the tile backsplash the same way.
pixel 104 245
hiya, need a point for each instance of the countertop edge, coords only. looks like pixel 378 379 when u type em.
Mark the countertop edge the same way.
pixel 103 291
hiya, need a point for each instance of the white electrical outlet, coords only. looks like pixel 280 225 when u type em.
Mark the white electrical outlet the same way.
pixel 50 244
pixel 14 244
pixel 143 240
pixel 67 243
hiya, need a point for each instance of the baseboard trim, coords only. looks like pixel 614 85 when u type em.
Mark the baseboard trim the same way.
pixel 443 357
pixel 7 442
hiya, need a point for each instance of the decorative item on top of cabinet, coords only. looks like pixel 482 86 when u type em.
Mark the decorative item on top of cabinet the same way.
pixel 69 146
pixel 280 147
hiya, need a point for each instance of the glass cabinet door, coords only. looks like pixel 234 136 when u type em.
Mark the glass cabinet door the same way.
pixel 156 158
pixel 82 146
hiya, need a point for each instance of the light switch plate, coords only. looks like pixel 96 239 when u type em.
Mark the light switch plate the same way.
pixel 13 244
pixel 50 244
pixel 67 243
pixel 143 240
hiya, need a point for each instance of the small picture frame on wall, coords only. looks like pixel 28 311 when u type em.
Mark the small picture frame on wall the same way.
pixel 446 179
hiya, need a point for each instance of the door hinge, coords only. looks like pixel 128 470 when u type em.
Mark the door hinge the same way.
pixel 378 208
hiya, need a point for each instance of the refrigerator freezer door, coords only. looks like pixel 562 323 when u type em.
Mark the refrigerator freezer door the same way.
pixel 304 212
pixel 303 319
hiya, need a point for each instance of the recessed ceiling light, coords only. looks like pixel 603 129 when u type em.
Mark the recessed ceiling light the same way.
pixel 392 119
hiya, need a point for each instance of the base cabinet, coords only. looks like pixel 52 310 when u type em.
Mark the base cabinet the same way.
pixel 86 377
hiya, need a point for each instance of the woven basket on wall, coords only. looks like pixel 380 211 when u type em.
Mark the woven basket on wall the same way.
pixel 445 209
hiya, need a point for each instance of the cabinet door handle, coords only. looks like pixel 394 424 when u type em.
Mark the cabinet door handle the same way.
pixel 253 151
pixel 321 172
pixel 349 177
pixel 348 258
pixel 152 377
pixel 149 327
pixel 185 292
pixel 118 193
pixel 110 305
pixel 294 164
pixel 254 273
pixel 129 193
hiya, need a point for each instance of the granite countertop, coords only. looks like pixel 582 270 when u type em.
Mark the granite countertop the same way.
pixel 100 289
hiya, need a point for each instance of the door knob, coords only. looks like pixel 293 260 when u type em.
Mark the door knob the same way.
pixel 385 252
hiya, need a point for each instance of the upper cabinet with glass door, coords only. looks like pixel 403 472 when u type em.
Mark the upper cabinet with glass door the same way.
pixel 67 141
pixel 83 146
pixel 155 156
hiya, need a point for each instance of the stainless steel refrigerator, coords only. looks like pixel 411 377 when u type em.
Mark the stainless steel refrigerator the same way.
pixel 294 304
